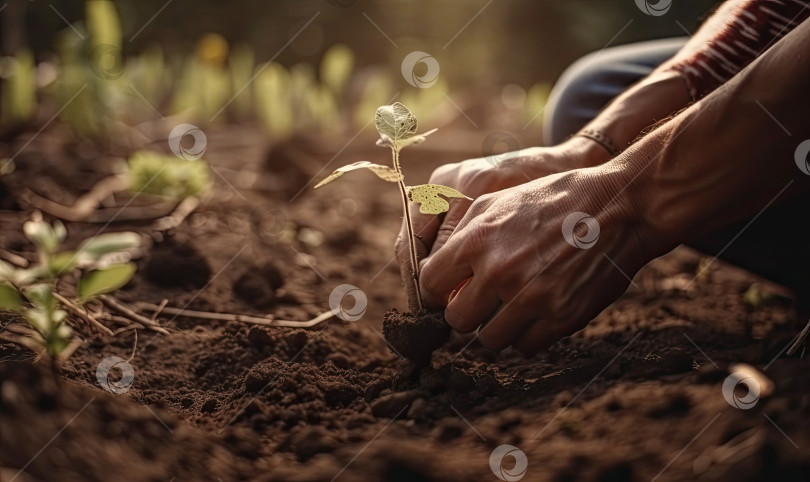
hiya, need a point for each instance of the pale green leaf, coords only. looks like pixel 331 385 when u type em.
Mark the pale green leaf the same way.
pixel 395 122
pixel 103 23
pixel 383 172
pixel 9 298
pixel 336 67
pixel 385 141
pixel 39 319
pixel 95 248
pixel 102 281
pixel 41 295
pixel 429 197
pixel 45 236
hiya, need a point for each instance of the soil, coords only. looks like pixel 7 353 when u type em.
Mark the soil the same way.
pixel 637 395
pixel 415 337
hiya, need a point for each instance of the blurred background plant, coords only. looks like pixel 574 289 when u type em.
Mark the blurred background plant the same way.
pixel 294 66
pixel 34 291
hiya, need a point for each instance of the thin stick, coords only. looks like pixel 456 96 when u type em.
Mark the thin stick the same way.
pixel 85 204
pixel 81 313
pixel 160 308
pixel 128 324
pixel 14 258
pixel 254 320
pixel 180 213
pixel 119 307
pixel 407 213
pixel 800 340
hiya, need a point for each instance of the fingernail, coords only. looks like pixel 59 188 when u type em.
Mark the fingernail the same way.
pixel 458 289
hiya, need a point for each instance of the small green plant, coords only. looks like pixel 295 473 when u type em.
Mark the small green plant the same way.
pixel 397 128
pixel 168 176
pixel 32 292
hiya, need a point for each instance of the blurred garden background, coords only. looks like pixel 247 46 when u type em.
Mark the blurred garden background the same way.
pixel 290 65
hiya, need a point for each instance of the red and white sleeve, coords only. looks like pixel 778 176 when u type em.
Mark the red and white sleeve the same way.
pixel 752 28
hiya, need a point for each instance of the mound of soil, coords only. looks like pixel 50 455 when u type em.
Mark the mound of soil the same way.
pixel 415 337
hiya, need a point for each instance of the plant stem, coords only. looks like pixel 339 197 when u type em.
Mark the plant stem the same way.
pixel 411 238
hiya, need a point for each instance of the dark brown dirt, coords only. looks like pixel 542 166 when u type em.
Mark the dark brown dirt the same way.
pixel 415 337
pixel 635 396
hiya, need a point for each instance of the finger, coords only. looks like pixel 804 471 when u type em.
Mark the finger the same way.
pixel 473 304
pixel 540 335
pixel 458 208
pixel 507 325
pixel 442 273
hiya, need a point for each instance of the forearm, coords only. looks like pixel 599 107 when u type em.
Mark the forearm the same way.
pixel 721 48
pixel 732 154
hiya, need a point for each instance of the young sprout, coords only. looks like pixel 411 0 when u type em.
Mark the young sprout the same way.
pixel 397 128
pixel 31 292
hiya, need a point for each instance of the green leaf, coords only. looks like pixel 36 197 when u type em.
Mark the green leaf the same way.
pixel 429 197
pixel 168 176
pixel 6 270
pixel 95 248
pixel 105 280
pixel 395 122
pixel 383 172
pixel 63 263
pixel 9 298
pixel 103 23
pixel 336 67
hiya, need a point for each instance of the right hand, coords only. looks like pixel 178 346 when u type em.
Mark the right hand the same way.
pixel 476 177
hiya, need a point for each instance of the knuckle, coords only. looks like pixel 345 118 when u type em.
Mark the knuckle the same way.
pixel 443 174
pixel 458 320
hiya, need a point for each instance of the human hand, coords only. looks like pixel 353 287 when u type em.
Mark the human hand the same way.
pixel 476 177
pixel 529 285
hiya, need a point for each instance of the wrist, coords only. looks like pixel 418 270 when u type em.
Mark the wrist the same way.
pixel 582 152
pixel 652 100
pixel 627 193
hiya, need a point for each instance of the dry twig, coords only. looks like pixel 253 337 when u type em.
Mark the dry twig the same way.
pixel 254 320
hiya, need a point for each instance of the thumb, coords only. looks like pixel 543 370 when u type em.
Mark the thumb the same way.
pixel 403 253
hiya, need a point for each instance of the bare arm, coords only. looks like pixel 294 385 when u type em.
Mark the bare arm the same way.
pixel 536 276
pixel 725 158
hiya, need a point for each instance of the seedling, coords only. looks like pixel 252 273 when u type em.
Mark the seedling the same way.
pixel 397 128
pixel 32 291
